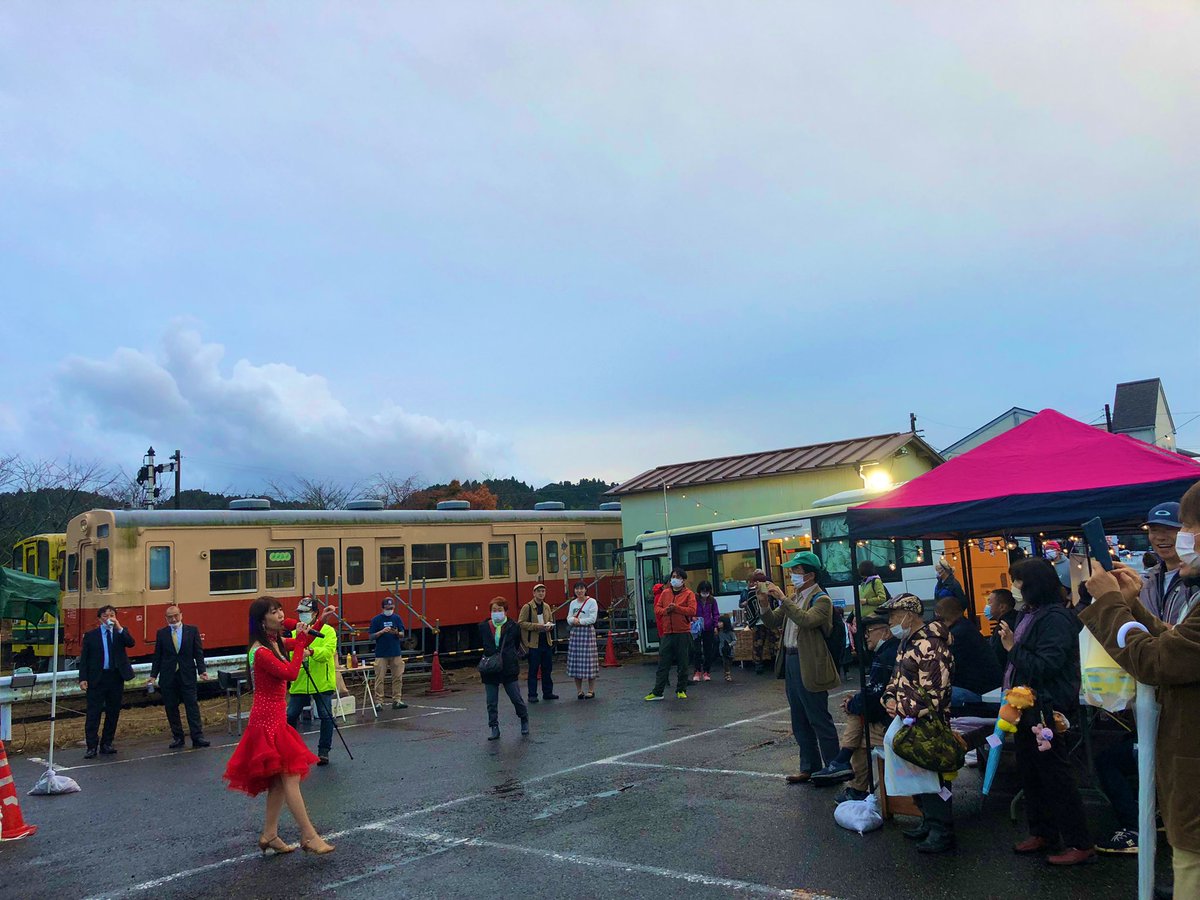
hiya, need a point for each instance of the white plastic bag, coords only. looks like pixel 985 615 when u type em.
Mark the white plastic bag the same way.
pixel 859 815
pixel 901 777
pixel 1105 684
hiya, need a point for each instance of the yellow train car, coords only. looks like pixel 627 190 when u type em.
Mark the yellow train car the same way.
pixel 449 563
pixel 43 555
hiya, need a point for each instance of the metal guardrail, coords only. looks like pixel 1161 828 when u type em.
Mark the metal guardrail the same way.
pixel 68 680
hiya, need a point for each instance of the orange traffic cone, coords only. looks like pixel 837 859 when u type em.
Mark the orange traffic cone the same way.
pixel 610 655
pixel 12 825
pixel 436 686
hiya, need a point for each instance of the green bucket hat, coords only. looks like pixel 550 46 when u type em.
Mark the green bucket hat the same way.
pixel 805 558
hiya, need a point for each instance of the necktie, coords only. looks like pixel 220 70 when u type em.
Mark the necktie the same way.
pixel 107 647
pixel 175 637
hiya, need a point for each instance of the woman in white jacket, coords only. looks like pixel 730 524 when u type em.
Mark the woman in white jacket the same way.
pixel 582 662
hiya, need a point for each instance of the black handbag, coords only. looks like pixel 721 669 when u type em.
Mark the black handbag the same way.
pixel 930 743
pixel 492 665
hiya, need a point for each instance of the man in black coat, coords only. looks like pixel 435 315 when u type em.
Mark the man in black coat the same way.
pixel 103 670
pixel 178 662
pixel 976 669
pixel 1001 607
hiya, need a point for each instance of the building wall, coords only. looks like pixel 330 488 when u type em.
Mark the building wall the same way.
pixel 995 429
pixel 749 497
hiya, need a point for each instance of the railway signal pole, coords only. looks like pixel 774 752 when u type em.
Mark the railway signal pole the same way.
pixel 149 472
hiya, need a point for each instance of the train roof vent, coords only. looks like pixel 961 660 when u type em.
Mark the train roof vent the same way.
pixel 250 503
pixel 547 505
pixel 445 505
pixel 364 504
pixel 611 507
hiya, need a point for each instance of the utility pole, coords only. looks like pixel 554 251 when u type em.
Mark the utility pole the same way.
pixel 912 422
pixel 1108 418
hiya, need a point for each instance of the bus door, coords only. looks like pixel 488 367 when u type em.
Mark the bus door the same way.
pixel 650 573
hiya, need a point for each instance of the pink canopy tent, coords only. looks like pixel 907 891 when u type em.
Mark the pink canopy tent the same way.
pixel 1051 472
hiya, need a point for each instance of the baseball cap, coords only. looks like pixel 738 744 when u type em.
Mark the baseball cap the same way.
pixel 1052 545
pixel 305 605
pixel 539 585
pixel 1164 514
pixel 804 558
pixel 903 602
pixel 387 601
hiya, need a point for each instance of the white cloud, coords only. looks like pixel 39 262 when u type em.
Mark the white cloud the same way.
pixel 240 424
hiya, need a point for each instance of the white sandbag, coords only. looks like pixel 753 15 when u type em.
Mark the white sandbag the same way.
pixel 859 815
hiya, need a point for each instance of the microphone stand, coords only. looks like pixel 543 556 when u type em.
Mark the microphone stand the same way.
pixel 326 709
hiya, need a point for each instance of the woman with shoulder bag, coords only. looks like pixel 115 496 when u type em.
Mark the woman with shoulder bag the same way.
pixel 499 667
pixel 583 663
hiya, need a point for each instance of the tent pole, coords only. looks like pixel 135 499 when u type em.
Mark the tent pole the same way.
pixel 964 547
pixel 53 689
pixel 860 650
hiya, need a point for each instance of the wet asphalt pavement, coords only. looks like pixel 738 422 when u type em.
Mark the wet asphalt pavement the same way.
pixel 609 798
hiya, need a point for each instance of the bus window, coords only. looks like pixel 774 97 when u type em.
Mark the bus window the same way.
pixel 281 568
pixel 498 560
pixel 466 561
pixel 73 572
pixel 531 558
pixel 552 557
pixel 160 568
pixel 354 565
pixel 102 569
pixel 326 567
pixel 43 559
pixel 391 565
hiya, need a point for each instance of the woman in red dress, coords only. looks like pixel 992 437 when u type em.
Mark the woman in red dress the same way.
pixel 271 755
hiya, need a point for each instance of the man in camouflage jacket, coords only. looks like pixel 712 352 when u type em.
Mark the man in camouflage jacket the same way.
pixel 920 686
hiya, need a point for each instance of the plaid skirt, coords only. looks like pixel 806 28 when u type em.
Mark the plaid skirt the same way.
pixel 582 659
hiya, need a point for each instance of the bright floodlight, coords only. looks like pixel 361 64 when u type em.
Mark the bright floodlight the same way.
pixel 878 480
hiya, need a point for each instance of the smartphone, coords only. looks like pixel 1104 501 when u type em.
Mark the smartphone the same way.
pixel 1093 533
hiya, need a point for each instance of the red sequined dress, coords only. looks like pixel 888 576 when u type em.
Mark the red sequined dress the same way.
pixel 269 746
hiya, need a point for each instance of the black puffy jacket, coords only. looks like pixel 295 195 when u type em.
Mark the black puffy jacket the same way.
pixel 1047 659
pixel 510 640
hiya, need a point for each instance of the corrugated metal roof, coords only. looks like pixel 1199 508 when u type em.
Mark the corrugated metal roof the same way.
pixel 830 455
pixel 1136 404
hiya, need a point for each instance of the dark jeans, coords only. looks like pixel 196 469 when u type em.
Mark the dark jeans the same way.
pixel 172 694
pixel 1052 800
pixel 708 650
pixel 323 703
pixel 1114 767
pixel 812 723
pixel 493 702
pixel 673 650
pixel 541 659
pixel 103 696
pixel 960 696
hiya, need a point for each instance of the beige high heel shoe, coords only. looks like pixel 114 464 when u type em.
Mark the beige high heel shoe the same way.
pixel 311 846
pixel 276 844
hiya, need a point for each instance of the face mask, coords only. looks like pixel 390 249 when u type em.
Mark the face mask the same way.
pixel 388 612
pixel 1016 592
pixel 797 581
pixel 498 617
pixel 1185 546
pixel 899 632
pixel 987 611
pixel 676 583
pixel 1051 555
pixel 705 594
pixel 306 617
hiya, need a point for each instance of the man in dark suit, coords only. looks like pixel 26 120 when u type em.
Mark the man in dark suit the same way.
pixel 103 670
pixel 178 661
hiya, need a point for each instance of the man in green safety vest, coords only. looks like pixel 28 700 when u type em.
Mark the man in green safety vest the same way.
pixel 316 681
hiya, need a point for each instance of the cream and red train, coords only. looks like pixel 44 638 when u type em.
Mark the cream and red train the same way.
pixel 214 563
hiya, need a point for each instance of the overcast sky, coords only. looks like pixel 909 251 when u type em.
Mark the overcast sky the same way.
pixel 582 239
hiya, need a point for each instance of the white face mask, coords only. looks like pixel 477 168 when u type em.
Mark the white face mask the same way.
pixel 1016 592
pixel 498 617
pixel 797 580
pixel 306 617
pixel 1185 546
pixel 676 583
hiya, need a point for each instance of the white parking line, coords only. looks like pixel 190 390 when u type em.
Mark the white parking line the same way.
pixel 645 765
pixel 458 801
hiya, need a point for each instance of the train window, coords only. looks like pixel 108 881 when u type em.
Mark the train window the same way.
pixel 354 565
pixel 73 572
pixel 43 559
pixel 602 554
pixel 160 568
pixel 578 558
pixel 391 564
pixel 102 570
pixel 87 575
pixel 18 559
pixel 531 558
pixel 429 561
pixel 326 567
pixel 466 561
pixel 62 570
pixel 552 557
pixel 232 570
pixel 102 530
pixel 281 568
pixel 498 560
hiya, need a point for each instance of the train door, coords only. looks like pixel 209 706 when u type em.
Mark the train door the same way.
pixel 650 573
pixel 160 574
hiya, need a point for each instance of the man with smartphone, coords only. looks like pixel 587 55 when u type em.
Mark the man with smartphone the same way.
pixel 387 630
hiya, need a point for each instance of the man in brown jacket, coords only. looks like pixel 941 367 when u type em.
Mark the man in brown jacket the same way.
pixel 1169 658
pixel 536 621
pixel 809 672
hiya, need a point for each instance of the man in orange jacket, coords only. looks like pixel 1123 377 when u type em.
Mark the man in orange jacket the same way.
pixel 674 609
